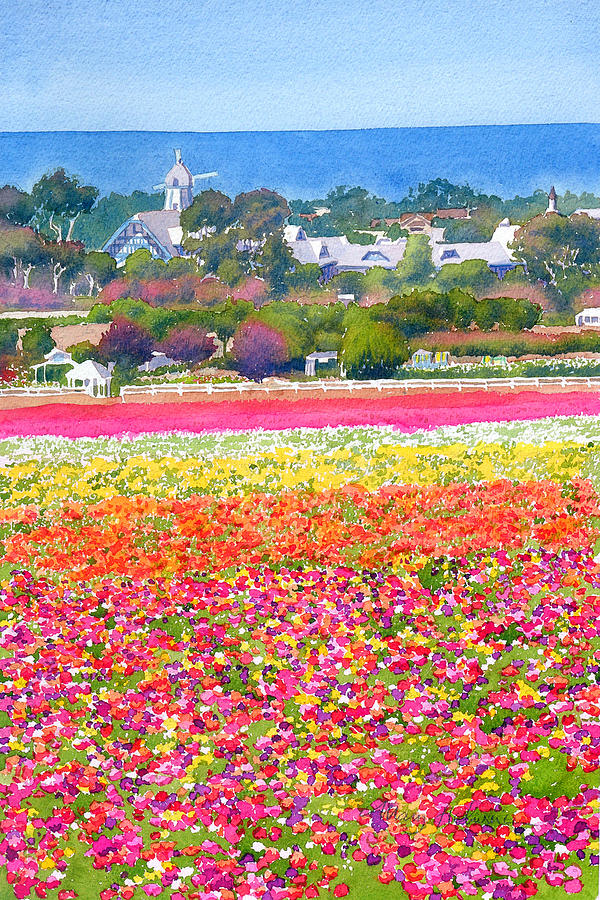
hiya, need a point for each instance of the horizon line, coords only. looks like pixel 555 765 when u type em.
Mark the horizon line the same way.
pixel 291 130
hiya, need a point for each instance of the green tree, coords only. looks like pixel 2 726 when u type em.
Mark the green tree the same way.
pixel 562 253
pixel 60 198
pixel 274 263
pixel 290 321
pixel 376 350
pixel 231 271
pixel 228 316
pixel 142 266
pixel 304 277
pixel 416 268
pixel 211 209
pixel 21 251
pixel 36 342
pixel 16 206
pixel 260 213
pixel 99 269
pixel 472 275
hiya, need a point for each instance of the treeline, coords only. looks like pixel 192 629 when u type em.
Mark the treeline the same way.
pixel 353 208
pixel 501 343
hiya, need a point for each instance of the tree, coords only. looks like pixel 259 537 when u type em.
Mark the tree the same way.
pixel 416 268
pixel 260 213
pixel 16 206
pixel 142 266
pixel 36 342
pixel 289 320
pixel 304 277
pixel 562 253
pixel 374 350
pixel 211 209
pixel 274 262
pixel 126 343
pixel 67 258
pixel 99 270
pixel 60 198
pixel 230 271
pixel 228 317
pixel 21 250
pixel 471 275
pixel 188 344
pixel 258 349
pixel 215 249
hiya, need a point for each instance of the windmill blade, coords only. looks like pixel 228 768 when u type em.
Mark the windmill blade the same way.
pixel 205 175
pixel 159 187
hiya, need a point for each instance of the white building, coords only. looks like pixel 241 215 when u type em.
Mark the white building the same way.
pixel 94 378
pixel 590 316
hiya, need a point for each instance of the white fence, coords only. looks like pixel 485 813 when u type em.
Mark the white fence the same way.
pixel 45 390
pixel 347 386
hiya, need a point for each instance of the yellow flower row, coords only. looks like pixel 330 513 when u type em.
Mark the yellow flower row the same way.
pixel 49 484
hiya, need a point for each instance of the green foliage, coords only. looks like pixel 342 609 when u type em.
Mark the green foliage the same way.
pixel 275 262
pixel 561 253
pixel 142 266
pixel 60 198
pixel 473 275
pixel 36 342
pixel 211 209
pixel 416 268
pixel 289 320
pixel 373 350
pixel 479 226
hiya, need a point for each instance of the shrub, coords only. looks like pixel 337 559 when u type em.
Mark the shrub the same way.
pixel 258 349
pixel 191 345
pixel 373 350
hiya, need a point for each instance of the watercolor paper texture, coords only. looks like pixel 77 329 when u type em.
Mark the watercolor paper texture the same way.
pixel 299 450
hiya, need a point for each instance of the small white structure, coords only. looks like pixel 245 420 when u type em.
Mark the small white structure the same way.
pixel 552 207
pixel 159 361
pixel 319 356
pixel 589 316
pixel 427 359
pixel 56 357
pixel 94 378
pixel 346 299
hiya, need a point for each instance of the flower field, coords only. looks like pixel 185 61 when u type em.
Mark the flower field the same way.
pixel 408 413
pixel 301 664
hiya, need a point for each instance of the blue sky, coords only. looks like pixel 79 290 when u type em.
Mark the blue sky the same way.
pixel 231 65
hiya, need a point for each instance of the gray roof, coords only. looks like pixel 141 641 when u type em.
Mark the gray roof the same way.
pixel 159 221
pixel 491 252
pixel 340 252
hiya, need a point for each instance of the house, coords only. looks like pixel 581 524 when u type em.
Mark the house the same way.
pixel 94 378
pixel 453 213
pixel 337 254
pixel 495 253
pixel 158 230
pixel 324 357
pixel 589 317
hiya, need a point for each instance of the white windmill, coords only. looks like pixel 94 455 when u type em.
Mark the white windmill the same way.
pixel 179 184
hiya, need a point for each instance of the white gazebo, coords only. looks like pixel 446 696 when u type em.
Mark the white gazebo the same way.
pixel 56 357
pixel 94 378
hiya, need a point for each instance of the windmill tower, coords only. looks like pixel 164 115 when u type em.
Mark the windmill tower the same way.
pixel 552 208
pixel 179 184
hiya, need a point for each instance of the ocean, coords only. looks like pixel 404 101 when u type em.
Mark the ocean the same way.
pixel 504 160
